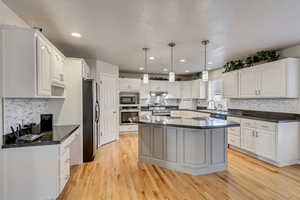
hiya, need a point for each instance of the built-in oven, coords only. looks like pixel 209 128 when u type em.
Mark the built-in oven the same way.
pixel 127 98
pixel 129 115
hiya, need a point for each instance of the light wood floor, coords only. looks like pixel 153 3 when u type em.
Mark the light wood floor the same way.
pixel 116 174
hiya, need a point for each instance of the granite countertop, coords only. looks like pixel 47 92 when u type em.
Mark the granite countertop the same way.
pixel 198 123
pixel 56 136
pixel 255 115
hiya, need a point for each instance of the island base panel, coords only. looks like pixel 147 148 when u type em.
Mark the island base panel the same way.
pixel 192 151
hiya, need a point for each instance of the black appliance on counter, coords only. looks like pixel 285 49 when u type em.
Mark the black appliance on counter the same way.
pixel 90 126
pixel 46 122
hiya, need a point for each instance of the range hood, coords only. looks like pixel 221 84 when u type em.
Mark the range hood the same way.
pixel 158 94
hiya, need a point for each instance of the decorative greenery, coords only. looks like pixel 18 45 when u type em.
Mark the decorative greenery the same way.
pixel 259 57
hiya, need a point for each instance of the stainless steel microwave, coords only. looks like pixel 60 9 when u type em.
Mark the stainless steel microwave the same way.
pixel 129 99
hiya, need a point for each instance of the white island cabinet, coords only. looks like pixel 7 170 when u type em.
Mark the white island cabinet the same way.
pixel 33 67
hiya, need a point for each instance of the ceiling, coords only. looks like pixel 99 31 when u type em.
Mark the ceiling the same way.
pixel 115 31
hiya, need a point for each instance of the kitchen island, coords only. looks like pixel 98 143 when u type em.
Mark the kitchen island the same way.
pixel 194 146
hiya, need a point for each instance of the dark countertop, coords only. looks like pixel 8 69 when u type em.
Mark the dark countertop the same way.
pixel 255 115
pixel 198 123
pixel 56 136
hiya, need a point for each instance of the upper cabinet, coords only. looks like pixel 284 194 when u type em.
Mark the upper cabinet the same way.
pixel 86 71
pixel 279 79
pixel 230 84
pixel 186 89
pixel 57 73
pixel 173 90
pixel 43 68
pixel 33 67
pixel 129 84
pixel 199 89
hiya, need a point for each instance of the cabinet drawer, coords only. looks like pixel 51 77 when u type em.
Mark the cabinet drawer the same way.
pixel 128 128
pixel 234 140
pixel 234 119
pixel 248 123
pixel 268 126
pixel 234 131
pixel 65 145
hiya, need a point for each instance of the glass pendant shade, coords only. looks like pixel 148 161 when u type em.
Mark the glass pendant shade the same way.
pixel 171 76
pixel 205 76
pixel 146 78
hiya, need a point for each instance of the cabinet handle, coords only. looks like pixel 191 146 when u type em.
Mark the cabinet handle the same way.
pixel 253 133
pixel 256 134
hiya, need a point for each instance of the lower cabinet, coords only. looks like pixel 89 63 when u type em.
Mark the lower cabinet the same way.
pixel 277 143
pixel 37 172
pixel 265 144
pixel 248 139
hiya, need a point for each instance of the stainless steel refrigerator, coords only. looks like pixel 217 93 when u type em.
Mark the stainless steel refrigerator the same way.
pixel 91 113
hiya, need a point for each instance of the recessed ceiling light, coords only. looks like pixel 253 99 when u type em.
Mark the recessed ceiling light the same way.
pixel 187 71
pixel 165 69
pixel 209 63
pixel 182 60
pixel 78 35
pixel 141 68
pixel 151 58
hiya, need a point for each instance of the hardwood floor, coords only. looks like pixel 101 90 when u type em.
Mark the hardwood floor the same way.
pixel 116 174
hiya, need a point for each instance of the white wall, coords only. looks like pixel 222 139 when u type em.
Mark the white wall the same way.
pixel 7 16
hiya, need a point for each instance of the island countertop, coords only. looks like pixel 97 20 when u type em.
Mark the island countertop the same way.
pixel 195 123
pixel 56 136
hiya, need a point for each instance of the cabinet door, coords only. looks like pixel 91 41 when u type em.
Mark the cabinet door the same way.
pixel 186 89
pixel 43 68
pixel 272 82
pixel 144 91
pixel 265 144
pixel 57 75
pixel 174 90
pixel 230 84
pixel 248 83
pixel 248 139
pixel 199 89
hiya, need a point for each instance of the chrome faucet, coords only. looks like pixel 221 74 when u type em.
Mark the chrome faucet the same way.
pixel 214 104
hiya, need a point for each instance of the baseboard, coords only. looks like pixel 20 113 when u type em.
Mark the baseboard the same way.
pixel 127 133
pixel 195 171
pixel 277 164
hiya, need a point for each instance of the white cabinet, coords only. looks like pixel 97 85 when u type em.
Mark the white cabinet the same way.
pixel 199 89
pixel 159 86
pixel 86 71
pixel 186 89
pixel 57 72
pixel 174 91
pixel 248 139
pixel 268 141
pixel 249 79
pixel 45 170
pixel 279 79
pixel 144 91
pixel 234 133
pixel 230 84
pixel 43 68
pixel 30 68
pixel 128 84
pixel 265 143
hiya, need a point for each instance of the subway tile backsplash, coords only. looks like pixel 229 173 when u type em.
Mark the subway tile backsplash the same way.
pixel 23 110
pixel 270 105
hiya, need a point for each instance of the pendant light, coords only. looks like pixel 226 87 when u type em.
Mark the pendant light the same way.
pixel 172 72
pixel 146 75
pixel 205 72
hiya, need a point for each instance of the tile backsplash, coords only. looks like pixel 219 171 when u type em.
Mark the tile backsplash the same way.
pixel 23 110
pixel 271 105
